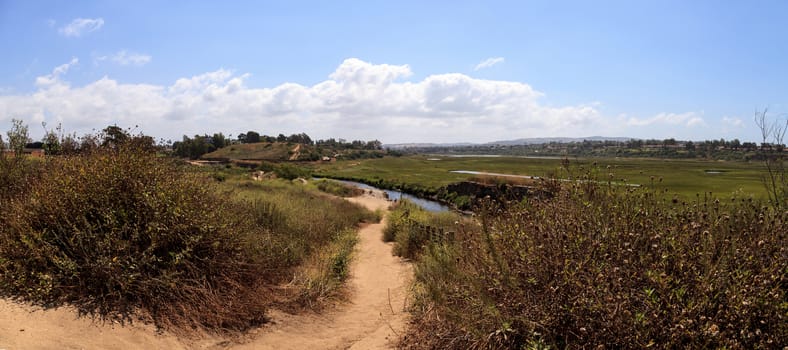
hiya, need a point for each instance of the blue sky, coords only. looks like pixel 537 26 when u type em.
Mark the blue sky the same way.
pixel 398 71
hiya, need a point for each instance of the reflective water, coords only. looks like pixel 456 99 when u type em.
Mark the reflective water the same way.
pixel 427 204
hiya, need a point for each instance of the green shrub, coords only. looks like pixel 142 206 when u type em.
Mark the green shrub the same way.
pixel 120 230
pixel 411 228
pixel 291 172
pixel 611 267
pixel 397 219
pixel 267 166
pixel 391 228
pixel 219 177
pixel 340 260
pixel 338 188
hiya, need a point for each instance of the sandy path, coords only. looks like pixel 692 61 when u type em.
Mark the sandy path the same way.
pixel 25 327
pixel 370 320
pixel 378 285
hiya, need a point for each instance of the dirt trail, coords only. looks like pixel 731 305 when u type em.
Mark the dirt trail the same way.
pixel 296 152
pixel 378 285
pixel 370 320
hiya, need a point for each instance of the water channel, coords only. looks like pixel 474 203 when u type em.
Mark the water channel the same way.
pixel 427 204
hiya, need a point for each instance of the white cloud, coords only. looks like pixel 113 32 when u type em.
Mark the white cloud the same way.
pixel 125 58
pixel 488 63
pixel 81 26
pixel 688 119
pixel 356 71
pixel 54 77
pixel 359 100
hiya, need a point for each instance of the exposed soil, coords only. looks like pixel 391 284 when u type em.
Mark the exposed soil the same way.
pixel 296 152
pixel 371 319
pixel 26 327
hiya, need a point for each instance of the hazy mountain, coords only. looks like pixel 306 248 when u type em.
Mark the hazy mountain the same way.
pixel 523 141
pixel 426 145
pixel 540 140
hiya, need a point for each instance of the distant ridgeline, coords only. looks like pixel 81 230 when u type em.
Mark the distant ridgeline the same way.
pixel 605 147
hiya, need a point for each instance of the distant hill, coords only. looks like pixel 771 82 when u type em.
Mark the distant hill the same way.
pixel 541 140
pixel 524 141
pixel 272 151
pixel 426 145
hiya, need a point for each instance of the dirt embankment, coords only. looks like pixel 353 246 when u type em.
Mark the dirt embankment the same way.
pixel 296 152
pixel 371 319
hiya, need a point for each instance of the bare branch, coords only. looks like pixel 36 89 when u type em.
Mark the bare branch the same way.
pixel 772 151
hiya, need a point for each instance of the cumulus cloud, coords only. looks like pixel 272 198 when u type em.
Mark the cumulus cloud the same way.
pixel 54 77
pixel 125 58
pixel 359 100
pixel 81 26
pixel 488 63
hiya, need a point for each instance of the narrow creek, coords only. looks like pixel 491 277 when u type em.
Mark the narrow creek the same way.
pixel 427 204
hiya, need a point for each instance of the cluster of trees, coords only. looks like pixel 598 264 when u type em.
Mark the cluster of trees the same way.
pixel 17 138
pixel 666 148
pixel 56 142
pixel 255 137
pixel 672 148
pixel 355 144
pixel 198 145
pixel 303 138
pixel 194 147
pixel 720 144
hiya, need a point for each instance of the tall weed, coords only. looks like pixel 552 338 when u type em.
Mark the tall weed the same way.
pixel 310 236
pixel 608 266
pixel 16 174
pixel 338 188
pixel 412 228
pixel 322 274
